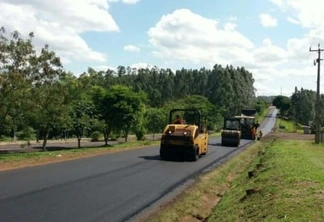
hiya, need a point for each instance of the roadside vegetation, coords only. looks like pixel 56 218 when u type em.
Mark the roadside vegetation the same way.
pixel 275 179
pixel 286 183
pixel 19 160
pixel 41 101
pixel 284 125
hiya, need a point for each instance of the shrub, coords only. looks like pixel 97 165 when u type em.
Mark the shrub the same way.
pixel 96 136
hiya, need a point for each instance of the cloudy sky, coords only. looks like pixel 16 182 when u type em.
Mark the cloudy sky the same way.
pixel 270 38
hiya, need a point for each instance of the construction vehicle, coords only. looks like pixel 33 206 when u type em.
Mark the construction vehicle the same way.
pixel 231 132
pixel 188 138
pixel 249 124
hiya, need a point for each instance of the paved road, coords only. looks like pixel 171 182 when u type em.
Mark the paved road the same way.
pixel 111 187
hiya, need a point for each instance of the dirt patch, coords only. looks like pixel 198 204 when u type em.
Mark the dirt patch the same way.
pixel 320 195
pixel 190 219
pixel 230 177
pixel 289 136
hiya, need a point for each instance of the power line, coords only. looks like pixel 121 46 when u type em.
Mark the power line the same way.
pixel 317 108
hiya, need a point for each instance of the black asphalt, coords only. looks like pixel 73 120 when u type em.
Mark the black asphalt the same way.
pixel 112 187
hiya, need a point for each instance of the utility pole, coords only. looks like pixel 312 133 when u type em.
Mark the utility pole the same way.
pixel 317 108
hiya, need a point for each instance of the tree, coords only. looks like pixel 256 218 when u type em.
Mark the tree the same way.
pixel 283 103
pixel 119 107
pixel 82 110
pixel 303 105
pixel 155 120
pixel 15 81
pixel 50 95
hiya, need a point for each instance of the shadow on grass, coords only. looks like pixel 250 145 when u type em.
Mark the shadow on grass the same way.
pixel 59 148
pixel 71 147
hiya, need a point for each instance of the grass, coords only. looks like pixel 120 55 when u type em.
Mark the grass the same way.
pixel 273 180
pixel 215 134
pixel 289 126
pixel 260 117
pixel 288 186
pixel 18 160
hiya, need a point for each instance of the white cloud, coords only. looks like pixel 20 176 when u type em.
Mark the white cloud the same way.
pixel 277 2
pixel 131 48
pixel 292 20
pixel 229 26
pixel 270 54
pixel 208 44
pixel 233 18
pixel 141 65
pixel 59 24
pixel 267 41
pixel 105 68
pixel 131 1
pixel 267 20
pixel 125 1
pixel 307 13
pixel 170 39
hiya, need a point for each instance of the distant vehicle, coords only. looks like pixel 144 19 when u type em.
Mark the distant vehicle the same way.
pixel 249 124
pixel 185 135
pixel 231 132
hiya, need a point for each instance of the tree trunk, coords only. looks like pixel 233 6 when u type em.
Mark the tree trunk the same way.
pixel 14 133
pixel 37 136
pixel 45 140
pixel 153 136
pixel 107 131
pixel 126 135
pixel 79 136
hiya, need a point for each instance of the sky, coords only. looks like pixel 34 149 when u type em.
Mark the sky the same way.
pixel 270 38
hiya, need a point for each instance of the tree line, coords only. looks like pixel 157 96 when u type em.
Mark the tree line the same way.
pixel 300 106
pixel 41 100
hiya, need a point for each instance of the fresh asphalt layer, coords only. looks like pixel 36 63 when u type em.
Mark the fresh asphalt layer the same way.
pixel 111 187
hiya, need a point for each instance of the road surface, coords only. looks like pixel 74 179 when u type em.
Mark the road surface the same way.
pixel 112 187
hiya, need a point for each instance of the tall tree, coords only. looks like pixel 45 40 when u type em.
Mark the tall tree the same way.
pixel 50 96
pixel 15 72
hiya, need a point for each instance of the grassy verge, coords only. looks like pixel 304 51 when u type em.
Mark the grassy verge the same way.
pixel 214 134
pixel 288 126
pixel 18 160
pixel 288 185
pixel 272 181
pixel 198 201
pixel 260 117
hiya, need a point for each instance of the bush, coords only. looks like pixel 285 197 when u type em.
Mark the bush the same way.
pixel 140 135
pixel 114 137
pixel 26 134
pixel 5 138
pixel 96 136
